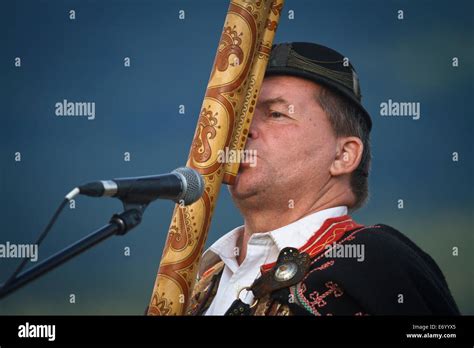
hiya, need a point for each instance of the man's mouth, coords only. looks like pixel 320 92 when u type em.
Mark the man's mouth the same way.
pixel 249 159
pixel 246 165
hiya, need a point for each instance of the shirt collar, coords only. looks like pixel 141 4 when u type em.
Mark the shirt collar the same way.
pixel 295 235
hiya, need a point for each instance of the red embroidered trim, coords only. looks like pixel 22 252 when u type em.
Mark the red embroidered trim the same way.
pixel 331 263
pixel 317 300
pixel 331 231
pixel 209 271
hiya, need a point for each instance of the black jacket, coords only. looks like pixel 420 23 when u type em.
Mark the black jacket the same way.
pixel 395 277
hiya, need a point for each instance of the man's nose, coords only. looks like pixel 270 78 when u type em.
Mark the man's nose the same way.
pixel 254 126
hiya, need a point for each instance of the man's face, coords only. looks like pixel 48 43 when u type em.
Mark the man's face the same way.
pixel 294 141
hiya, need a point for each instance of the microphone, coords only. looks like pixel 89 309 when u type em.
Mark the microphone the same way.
pixel 181 185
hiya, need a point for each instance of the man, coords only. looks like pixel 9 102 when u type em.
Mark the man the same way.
pixel 299 252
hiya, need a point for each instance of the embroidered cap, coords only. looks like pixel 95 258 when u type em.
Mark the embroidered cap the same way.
pixel 320 64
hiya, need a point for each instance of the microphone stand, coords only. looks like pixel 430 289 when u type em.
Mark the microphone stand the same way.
pixel 119 224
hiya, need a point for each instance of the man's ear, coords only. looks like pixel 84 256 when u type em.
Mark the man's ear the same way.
pixel 348 155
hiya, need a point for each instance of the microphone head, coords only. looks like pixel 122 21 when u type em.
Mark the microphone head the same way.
pixel 193 184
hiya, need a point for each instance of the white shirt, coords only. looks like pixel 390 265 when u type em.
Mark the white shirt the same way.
pixel 262 248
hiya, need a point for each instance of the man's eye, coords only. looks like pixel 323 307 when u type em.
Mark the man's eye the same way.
pixel 276 114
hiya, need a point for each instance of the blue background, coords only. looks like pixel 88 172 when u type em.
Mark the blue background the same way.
pixel 137 112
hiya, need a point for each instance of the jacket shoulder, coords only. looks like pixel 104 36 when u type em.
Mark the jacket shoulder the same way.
pixel 374 270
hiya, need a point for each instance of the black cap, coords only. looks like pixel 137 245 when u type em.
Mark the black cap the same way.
pixel 320 64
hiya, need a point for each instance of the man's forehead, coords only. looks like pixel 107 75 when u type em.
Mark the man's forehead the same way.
pixel 286 90
pixel 269 101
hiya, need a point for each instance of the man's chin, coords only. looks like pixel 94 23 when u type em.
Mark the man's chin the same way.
pixel 242 196
pixel 244 186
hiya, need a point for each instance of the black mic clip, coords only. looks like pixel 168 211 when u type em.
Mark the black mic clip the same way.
pixel 129 218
